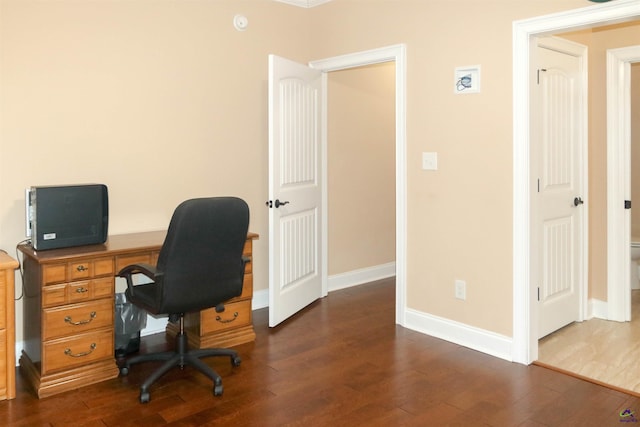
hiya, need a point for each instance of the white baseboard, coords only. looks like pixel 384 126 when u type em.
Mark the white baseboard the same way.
pixel 467 336
pixel 458 333
pixel 598 309
pixel 338 281
pixel 154 325
pixel 260 299
pixel 360 276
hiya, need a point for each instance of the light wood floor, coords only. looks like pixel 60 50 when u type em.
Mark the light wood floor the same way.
pixel 601 350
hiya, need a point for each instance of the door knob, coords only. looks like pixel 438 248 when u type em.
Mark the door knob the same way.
pixel 577 201
pixel 278 203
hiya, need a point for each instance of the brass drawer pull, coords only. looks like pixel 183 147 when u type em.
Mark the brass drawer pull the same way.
pixel 81 268
pixel 81 322
pixel 67 351
pixel 81 290
pixel 221 320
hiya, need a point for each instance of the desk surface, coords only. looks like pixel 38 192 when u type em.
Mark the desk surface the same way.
pixel 117 243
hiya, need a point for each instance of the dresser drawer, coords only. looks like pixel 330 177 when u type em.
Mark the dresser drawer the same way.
pixel 142 258
pixel 54 273
pixel 77 270
pixel 77 318
pixel 236 314
pixel 77 350
pixel 90 268
pixel 85 290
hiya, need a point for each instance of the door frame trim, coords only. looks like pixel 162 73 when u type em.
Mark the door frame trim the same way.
pixel 619 180
pixel 397 54
pixel 525 342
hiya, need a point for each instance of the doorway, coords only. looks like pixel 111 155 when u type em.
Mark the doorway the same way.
pixel 585 348
pixel 619 180
pixel 361 175
pixel 525 343
pixel 397 55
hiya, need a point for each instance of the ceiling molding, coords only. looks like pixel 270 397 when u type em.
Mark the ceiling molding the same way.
pixel 304 3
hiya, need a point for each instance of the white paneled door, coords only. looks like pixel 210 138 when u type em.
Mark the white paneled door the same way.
pixel 295 187
pixel 559 220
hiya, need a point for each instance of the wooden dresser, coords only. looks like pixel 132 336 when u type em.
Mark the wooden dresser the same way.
pixel 69 311
pixel 7 327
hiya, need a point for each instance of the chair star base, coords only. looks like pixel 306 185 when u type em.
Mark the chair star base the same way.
pixel 181 357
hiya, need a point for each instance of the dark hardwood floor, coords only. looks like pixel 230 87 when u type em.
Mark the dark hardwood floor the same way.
pixel 342 362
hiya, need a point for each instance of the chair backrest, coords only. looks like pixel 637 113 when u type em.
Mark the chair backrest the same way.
pixel 200 264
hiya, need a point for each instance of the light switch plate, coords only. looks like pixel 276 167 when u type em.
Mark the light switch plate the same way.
pixel 430 161
pixel 461 289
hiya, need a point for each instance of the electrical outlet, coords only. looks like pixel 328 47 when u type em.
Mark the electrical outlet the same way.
pixel 461 289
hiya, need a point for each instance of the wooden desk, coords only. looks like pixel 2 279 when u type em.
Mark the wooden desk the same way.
pixel 7 327
pixel 69 311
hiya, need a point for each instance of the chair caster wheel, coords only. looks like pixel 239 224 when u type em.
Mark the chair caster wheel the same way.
pixel 236 361
pixel 217 390
pixel 145 397
pixel 124 371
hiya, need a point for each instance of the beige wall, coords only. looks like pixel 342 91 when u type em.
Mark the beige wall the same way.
pixel 460 217
pixel 163 100
pixel 361 167
pixel 160 100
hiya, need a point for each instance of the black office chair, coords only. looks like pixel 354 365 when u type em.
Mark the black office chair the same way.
pixel 200 266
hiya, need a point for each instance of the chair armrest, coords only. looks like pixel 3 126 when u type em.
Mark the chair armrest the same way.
pixel 127 273
pixel 146 269
pixel 245 260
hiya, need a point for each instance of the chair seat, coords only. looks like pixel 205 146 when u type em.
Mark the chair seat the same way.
pixel 145 297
